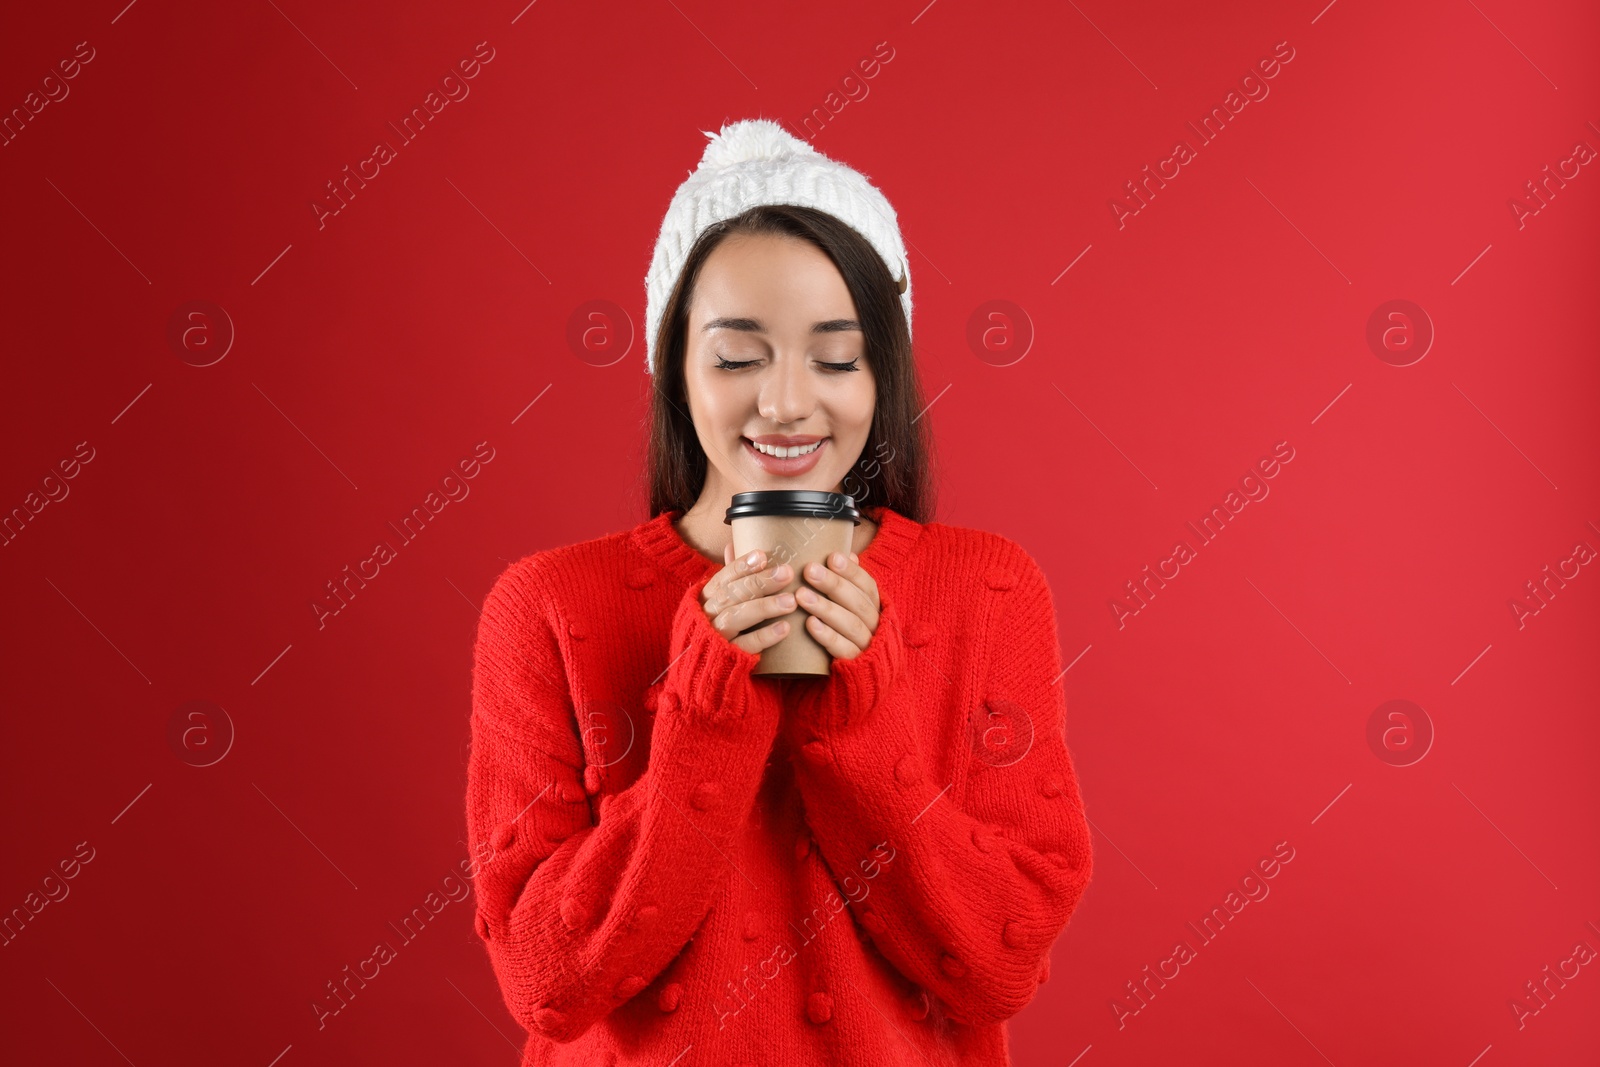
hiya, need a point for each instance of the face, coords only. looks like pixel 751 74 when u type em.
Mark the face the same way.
pixel 775 359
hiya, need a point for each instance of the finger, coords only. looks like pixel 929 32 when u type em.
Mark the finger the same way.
pixel 763 583
pixel 849 568
pixel 848 594
pixel 749 587
pixel 733 620
pixel 720 579
pixel 839 619
pixel 853 571
pixel 838 646
pixel 748 563
pixel 756 640
pixel 732 572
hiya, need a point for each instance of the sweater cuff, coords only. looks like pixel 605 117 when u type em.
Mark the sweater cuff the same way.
pixel 710 675
pixel 855 687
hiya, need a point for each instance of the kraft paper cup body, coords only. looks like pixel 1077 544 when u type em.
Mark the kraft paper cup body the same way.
pixel 797 540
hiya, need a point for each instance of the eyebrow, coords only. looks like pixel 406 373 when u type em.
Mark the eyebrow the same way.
pixel 756 326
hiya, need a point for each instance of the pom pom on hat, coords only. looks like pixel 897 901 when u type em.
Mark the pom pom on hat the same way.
pixel 756 161
pixel 750 141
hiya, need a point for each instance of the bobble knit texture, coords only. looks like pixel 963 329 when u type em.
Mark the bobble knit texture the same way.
pixel 681 862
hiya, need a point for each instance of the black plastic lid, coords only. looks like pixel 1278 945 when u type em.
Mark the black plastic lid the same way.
pixel 814 502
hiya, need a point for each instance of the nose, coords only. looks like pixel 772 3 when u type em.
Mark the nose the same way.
pixel 787 395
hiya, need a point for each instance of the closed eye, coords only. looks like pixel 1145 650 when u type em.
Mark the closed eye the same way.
pixel 726 364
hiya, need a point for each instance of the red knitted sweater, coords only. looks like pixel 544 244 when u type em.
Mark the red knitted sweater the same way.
pixel 681 863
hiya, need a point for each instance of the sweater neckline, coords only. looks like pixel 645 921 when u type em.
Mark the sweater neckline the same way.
pixel 659 539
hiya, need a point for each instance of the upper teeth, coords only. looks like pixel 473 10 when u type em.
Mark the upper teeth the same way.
pixel 786 453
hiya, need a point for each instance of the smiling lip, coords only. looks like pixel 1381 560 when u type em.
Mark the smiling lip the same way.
pixel 791 467
pixel 780 439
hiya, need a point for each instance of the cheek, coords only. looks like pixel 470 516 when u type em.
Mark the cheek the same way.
pixel 716 404
pixel 863 400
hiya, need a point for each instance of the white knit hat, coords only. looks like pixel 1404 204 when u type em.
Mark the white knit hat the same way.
pixel 756 161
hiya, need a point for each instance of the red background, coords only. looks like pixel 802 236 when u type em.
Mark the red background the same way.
pixel 1229 314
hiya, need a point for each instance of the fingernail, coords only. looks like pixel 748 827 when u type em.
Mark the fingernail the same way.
pixel 750 560
pixel 785 601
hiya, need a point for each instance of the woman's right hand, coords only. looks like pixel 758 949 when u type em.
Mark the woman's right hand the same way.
pixel 742 594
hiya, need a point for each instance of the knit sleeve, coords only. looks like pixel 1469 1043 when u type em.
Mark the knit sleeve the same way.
pixel 963 891
pixel 580 911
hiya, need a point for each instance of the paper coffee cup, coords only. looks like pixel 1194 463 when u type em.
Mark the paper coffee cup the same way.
pixel 797 527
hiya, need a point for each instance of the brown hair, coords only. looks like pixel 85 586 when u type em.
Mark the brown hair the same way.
pixel 894 468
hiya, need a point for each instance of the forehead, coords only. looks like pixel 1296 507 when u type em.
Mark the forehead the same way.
pixel 782 282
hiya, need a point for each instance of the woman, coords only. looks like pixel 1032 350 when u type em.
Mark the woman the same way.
pixel 680 862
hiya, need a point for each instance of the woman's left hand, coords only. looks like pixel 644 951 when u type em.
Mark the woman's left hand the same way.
pixel 842 605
